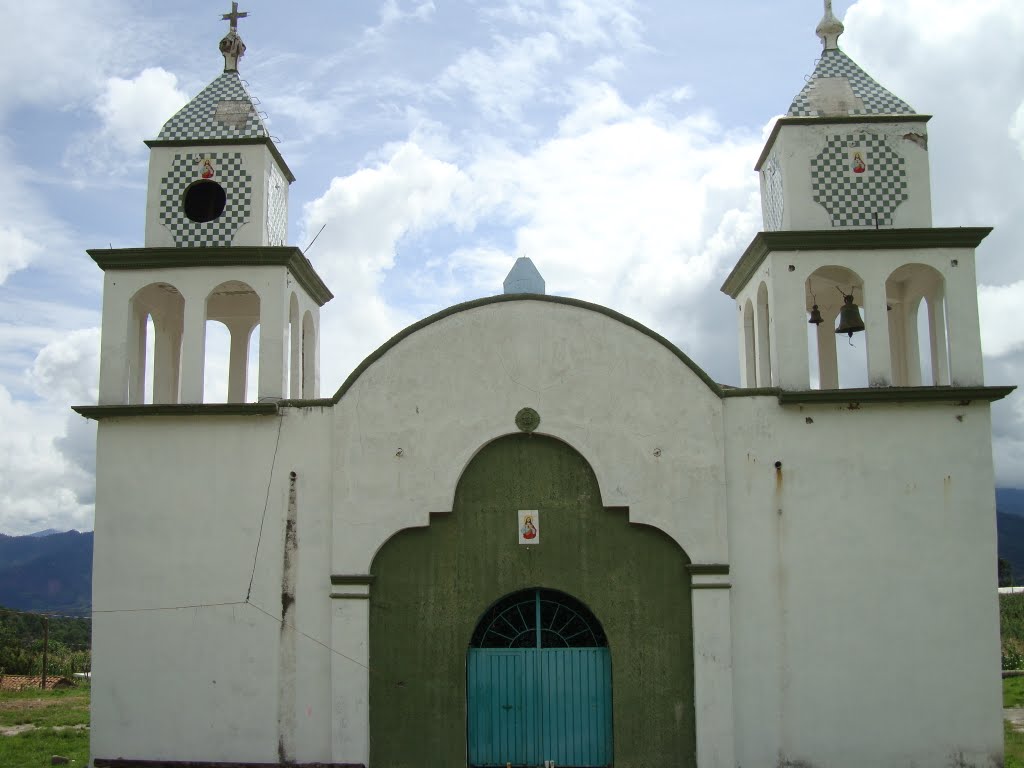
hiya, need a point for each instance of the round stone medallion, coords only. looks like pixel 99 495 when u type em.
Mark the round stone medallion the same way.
pixel 527 420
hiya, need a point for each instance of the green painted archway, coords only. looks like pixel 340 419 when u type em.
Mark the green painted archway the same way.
pixel 431 585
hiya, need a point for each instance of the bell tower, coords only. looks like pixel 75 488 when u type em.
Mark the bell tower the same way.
pixel 848 245
pixel 215 250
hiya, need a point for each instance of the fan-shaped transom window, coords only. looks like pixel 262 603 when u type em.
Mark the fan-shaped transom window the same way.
pixel 538 618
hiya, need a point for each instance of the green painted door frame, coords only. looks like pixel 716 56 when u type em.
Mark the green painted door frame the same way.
pixel 431 586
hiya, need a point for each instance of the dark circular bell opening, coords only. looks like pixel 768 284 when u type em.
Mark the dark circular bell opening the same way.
pixel 204 201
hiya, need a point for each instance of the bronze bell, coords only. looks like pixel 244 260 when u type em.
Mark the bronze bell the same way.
pixel 849 317
pixel 816 318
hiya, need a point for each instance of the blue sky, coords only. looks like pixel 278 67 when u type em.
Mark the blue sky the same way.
pixel 613 141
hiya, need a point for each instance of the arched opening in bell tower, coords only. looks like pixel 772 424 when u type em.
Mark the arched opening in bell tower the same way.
pixel 837 360
pixel 915 296
pixel 157 321
pixel 233 306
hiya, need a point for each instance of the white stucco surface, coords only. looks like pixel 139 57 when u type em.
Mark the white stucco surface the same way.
pixel 823 650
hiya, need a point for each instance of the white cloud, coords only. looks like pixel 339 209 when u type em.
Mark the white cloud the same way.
pixel 584 22
pixel 16 251
pixel 996 303
pixel 503 81
pixel 66 370
pixel 367 215
pixel 54 54
pixel 134 110
pixel 39 488
pixel 1016 129
pixel 644 212
pixel 29 233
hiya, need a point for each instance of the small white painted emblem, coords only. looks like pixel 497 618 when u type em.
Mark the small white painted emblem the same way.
pixel 529 526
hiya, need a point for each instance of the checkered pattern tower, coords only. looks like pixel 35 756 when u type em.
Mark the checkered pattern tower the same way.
pixel 846 206
pixel 215 250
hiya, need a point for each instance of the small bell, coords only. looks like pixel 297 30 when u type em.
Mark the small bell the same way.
pixel 816 318
pixel 849 317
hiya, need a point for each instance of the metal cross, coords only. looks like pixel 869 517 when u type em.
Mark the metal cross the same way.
pixel 234 16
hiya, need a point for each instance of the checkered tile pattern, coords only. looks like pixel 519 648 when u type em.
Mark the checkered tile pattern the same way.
pixel 230 174
pixel 854 200
pixel 222 110
pixel 773 200
pixel 834 63
pixel 277 208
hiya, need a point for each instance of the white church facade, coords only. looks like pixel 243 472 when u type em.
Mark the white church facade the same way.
pixel 528 530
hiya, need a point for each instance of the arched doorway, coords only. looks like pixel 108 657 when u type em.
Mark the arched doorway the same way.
pixel 431 585
pixel 539 684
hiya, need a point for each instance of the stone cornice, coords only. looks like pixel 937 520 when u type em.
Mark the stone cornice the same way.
pixel 952 395
pixel 98 412
pixel 264 140
pixel 846 240
pixel 219 256
pixel 833 120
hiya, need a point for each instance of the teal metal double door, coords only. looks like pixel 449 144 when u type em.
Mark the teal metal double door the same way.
pixel 547 700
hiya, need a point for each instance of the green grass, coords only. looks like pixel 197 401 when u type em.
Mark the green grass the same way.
pixel 35 748
pixel 1013 692
pixel 1013 742
pixel 44 709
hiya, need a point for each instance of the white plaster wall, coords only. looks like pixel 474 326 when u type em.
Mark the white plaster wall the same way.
pixel 864 615
pixel 797 145
pixel 827 638
pixel 256 159
pixel 649 427
pixel 180 505
pixel 407 428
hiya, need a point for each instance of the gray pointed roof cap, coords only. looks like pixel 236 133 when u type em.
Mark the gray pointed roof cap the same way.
pixel 524 277
pixel 222 110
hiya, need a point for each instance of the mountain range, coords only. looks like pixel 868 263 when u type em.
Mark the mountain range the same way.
pixel 52 571
pixel 47 572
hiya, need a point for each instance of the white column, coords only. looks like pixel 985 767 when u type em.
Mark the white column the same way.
pixel 712 671
pixel 913 344
pixel 193 348
pixel 965 363
pixel 137 358
pixel 788 331
pixel 876 324
pixel 762 314
pixel 828 361
pixel 295 351
pixel 316 354
pixel 748 361
pixel 273 319
pixel 167 333
pixel 117 318
pixel 309 361
pixel 238 361
pixel 937 341
pixel 350 677
pixel 898 344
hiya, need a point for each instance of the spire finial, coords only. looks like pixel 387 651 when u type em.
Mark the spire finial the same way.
pixel 829 28
pixel 231 45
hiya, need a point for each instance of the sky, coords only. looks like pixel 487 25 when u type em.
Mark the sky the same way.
pixel 612 141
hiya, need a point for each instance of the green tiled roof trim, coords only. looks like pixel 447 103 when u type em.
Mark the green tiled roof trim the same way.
pixel 226 256
pixel 846 240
